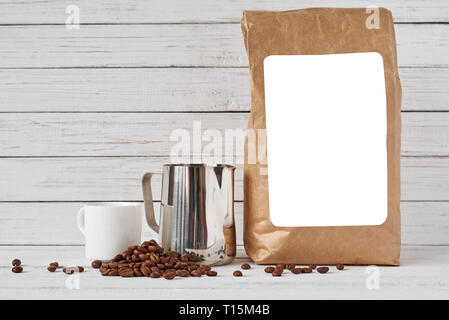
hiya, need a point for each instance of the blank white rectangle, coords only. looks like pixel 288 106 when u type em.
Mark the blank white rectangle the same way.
pixel 326 139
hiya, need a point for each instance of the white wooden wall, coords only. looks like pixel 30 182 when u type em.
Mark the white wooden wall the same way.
pixel 84 113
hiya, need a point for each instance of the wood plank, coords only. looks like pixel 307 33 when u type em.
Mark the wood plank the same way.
pixel 184 45
pixel 83 179
pixel 54 223
pixel 129 89
pixel 110 134
pixel 423 274
pixel 171 89
pixel 149 134
pixel 118 179
pixel 179 11
pixel 425 179
pixel 425 134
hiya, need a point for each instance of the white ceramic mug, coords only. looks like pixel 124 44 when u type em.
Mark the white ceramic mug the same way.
pixel 110 227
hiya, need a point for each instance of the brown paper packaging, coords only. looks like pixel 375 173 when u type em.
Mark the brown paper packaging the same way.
pixel 320 31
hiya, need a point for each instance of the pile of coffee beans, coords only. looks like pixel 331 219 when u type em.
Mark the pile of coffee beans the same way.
pixel 151 260
pixel 17 266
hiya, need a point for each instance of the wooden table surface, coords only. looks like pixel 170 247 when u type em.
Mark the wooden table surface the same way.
pixel 423 274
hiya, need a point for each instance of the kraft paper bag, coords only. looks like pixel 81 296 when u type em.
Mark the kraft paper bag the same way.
pixel 320 31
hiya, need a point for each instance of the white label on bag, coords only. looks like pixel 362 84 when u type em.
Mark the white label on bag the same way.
pixel 326 139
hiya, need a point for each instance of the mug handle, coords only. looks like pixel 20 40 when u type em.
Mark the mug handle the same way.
pixel 81 224
pixel 148 201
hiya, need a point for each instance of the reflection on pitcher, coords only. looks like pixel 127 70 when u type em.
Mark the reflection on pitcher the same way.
pixel 197 211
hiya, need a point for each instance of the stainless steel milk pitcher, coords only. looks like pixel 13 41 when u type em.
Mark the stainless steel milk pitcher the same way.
pixel 197 211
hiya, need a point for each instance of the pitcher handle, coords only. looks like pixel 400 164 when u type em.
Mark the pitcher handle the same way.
pixel 148 201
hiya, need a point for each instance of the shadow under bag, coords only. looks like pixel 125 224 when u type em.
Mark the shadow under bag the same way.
pixel 320 31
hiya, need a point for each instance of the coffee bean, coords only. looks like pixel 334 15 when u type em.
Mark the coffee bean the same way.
pixel 51 268
pixel 145 270
pixel 155 275
pixel 277 272
pixel 104 272
pixel 137 272
pixel 340 266
pixel 245 266
pixel 68 270
pixel 196 273
pixel 54 264
pixel 17 269
pixel 126 272
pixel 312 266
pixel 96 264
pixel 16 262
pixel 269 269
pixel 113 272
pixel 306 270
pixel 296 270
pixel 137 252
pixel 280 266
pixel 169 275
pixel 237 273
pixel 145 244
pixel 80 269
pixel 182 273
pixel 143 257
pixel 205 267
pixel 211 273
pixel 153 243
pixel 155 258
pixel 290 266
pixel 322 269
pixel 117 258
pixel 185 258
pixel 161 266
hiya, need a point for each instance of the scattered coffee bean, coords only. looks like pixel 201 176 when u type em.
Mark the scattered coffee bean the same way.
pixel 237 273
pixel 340 266
pixel 80 269
pixel 182 273
pixel 211 273
pixel 205 267
pixel 322 269
pixel 296 270
pixel 290 266
pixel 185 258
pixel 155 275
pixel 16 262
pixel 269 269
pixel 96 264
pixel 68 270
pixel 196 273
pixel 245 266
pixel 169 275
pixel 312 266
pixel 126 272
pixel 306 270
pixel 54 264
pixel 277 272
pixel 17 269
pixel 113 272
pixel 51 268
pixel 280 266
